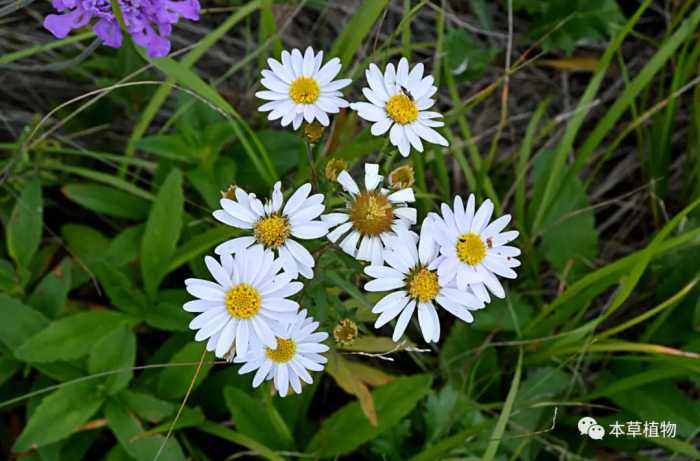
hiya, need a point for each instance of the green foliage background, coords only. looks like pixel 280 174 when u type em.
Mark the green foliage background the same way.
pixel 97 362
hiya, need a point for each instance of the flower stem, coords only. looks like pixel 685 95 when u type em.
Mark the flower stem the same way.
pixel 382 151
pixel 312 164
pixel 390 160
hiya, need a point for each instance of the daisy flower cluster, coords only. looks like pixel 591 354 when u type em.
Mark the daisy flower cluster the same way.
pixel 300 87
pixel 245 314
pixel 452 262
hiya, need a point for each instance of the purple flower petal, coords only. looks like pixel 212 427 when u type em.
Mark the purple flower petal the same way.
pixel 60 25
pixel 188 9
pixel 109 32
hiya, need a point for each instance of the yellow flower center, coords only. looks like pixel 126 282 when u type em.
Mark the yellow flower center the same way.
pixel 423 285
pixel 242 301
pixel 471 249
pixel 401 109
pixel 286 348
pixel 304 90
pixel 272 231
pixel 371 213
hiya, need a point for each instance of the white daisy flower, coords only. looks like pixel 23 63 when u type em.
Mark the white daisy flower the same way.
pixel 372 214
pixel 414 284
pixel 399 100
pixel 275 225
pixel 298 349
pixel 248 295
pixel 473 251
pixel 299 88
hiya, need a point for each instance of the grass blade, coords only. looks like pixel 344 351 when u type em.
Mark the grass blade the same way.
pixel 355 31
pixel 584 105
pixel 500 428
pixel 666 52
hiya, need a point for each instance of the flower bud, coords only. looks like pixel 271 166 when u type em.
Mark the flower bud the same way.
pixel 313 131
pixel 229 193
pixel 334 167
pixel 345 332
pixel 402 177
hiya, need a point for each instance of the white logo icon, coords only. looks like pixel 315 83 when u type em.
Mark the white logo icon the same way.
pixel 590 427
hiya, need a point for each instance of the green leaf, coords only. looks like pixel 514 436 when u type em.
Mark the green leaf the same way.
pixel 26 221
pixel 252 420
pixel 126 246
pixel 21 322
pixel 565 23
pixel 569 238
pixel 129 432
pixel 8 277
pixel 284 148
pixel 86 243
pixel 120 289
pixel 115 351
pixel 211 179
pixel 162 232
pixel 188 417
pixel 117 453
pixel 71 337
pixel 49 297
pixel 440 449
pixel 107 200
pixel 240 439
pixel 467 57
pixel 171 146
pixel 59 415
pixel 347 428
pixel 147 406
pixel 8 367
pixel 174 381
pixel 257 155
pixel 168 316
pixel 440 412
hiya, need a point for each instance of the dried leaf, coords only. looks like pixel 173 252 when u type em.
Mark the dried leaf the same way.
pixel 340 370
pixel 572 64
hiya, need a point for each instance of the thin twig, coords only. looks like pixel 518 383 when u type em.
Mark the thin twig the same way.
pixel 182 406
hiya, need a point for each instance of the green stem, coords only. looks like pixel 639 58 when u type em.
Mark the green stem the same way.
pixel 382 151
pixel 312 163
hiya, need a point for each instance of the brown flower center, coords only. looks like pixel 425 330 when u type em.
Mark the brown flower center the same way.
pixel 371 213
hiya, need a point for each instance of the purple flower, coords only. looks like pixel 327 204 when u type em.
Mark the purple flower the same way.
pixel 149 22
